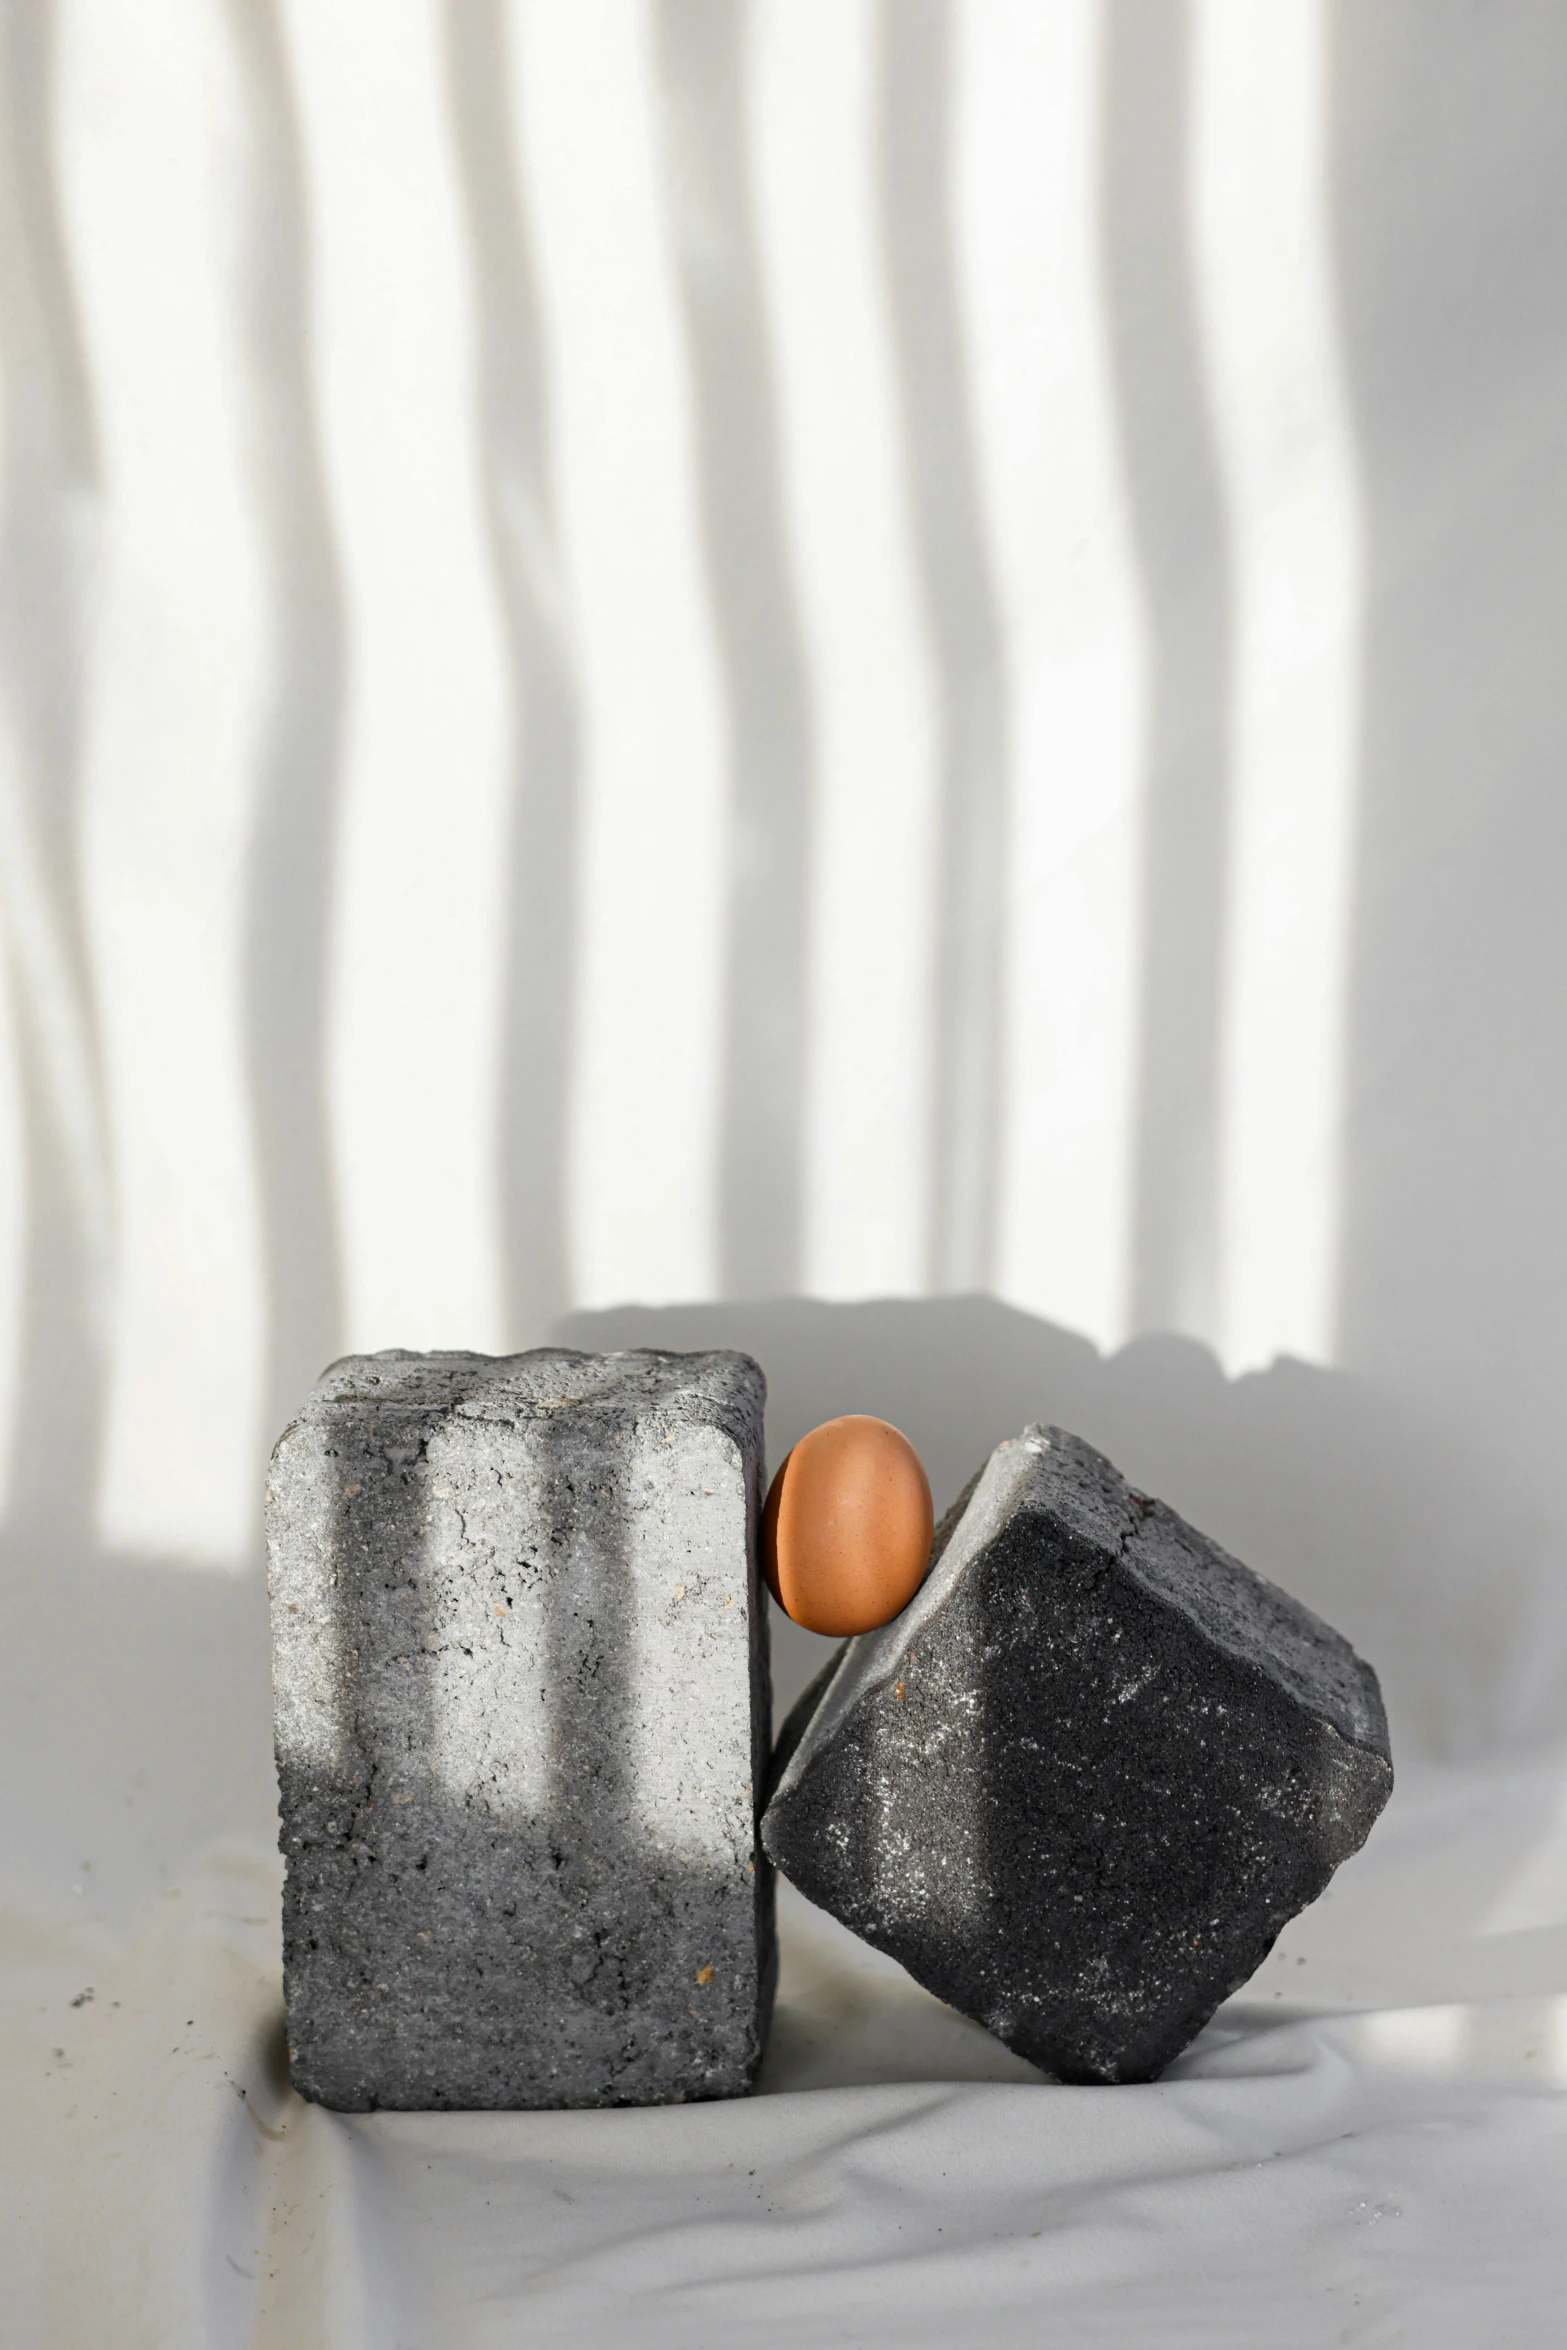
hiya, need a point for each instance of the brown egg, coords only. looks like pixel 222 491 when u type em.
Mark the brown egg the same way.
pixel 846 1532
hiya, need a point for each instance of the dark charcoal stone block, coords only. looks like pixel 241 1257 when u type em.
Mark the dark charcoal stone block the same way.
pixel 522 1702
pixel 1078 1786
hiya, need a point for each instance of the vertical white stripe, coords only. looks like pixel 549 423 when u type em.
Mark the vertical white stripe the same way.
pixel 644 1107
pixel 811 105
pixel 43 987
pixel 689 1633
pixel 491 1682
pixel 311 1722
pixel 1261 227
pixel 417 944
pixel 1028 241
pixel 150 152
pixel 56 1013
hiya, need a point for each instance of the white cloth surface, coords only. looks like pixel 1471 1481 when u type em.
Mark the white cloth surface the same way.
pixel 805 651
pixel 1368 2145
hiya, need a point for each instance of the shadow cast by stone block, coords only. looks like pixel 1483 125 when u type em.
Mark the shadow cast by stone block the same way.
pixel 1406 1542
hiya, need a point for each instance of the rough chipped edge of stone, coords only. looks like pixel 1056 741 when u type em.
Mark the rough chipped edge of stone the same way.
pixel 871 1659
pixel 736 1402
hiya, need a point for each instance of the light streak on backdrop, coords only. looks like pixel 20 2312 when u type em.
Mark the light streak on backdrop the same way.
pixel 1260 230
pixel 642 1146
pixel 416 942
pixel 867 1066
pixel 1029 100
pixel 151 149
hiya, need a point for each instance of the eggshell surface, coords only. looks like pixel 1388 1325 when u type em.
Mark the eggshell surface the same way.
pixel 847 1527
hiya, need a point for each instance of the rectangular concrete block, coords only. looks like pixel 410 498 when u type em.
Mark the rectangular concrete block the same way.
pixel 522 1709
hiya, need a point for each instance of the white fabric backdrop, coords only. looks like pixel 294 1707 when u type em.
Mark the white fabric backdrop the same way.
pixel 879 682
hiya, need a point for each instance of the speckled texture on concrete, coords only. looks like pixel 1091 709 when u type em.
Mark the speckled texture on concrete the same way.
pixel 522 1704
pixel 1078 1786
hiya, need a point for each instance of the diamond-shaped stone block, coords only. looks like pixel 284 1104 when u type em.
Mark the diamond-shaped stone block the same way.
pixel 1079 1785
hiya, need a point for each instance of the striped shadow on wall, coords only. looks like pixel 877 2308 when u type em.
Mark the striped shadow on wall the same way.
pixel 661 649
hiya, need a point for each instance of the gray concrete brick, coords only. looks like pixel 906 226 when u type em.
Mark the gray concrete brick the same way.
pixel 1081 1782
pixel 522 1708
